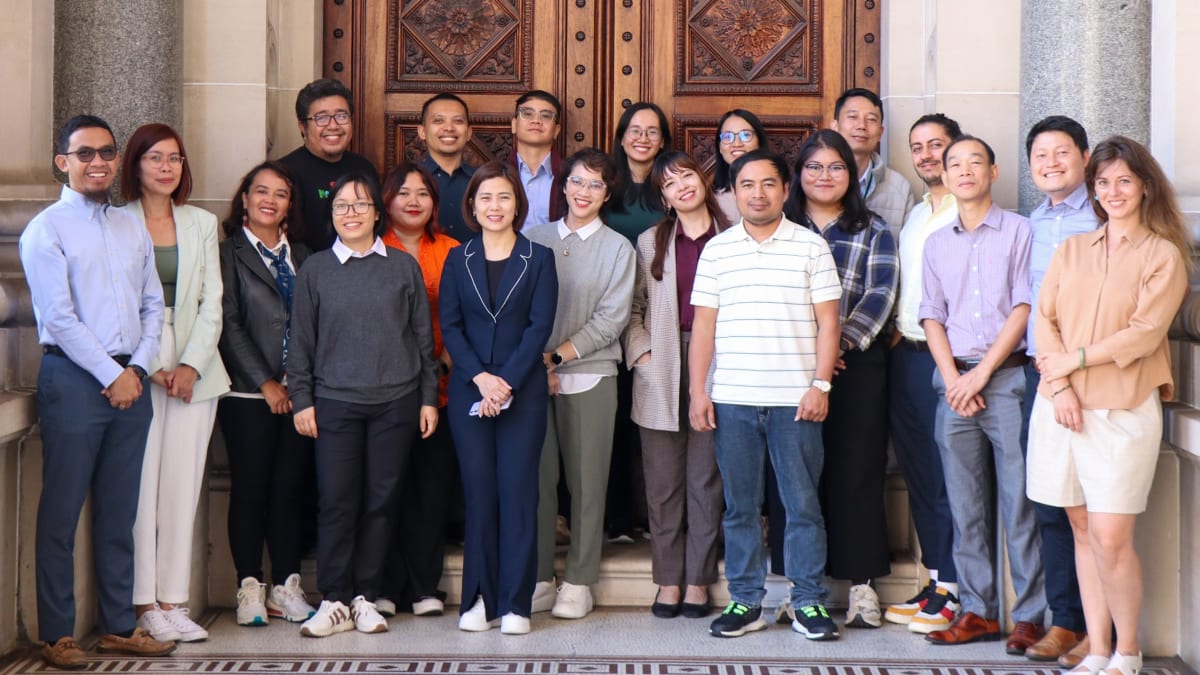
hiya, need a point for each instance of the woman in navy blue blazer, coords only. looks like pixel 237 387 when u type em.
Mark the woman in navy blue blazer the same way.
pixel 498 297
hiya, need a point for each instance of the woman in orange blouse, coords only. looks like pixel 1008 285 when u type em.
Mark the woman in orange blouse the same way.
pixel 1107 301
pixel 410 196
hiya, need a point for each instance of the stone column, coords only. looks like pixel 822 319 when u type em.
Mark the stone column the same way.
pixel 119 59
pixel 1089 61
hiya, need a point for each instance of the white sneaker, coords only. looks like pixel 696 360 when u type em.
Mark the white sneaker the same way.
pixel 429 606
pixel 331 617
pixel 189 631
pixel 574 601
pixel 863 609
pixel 385 606
pixel 157 624
pixel 514 624
pixel 289 602
pixel 367 618
pixel 543 596
pixel 474 620
pixel 251 596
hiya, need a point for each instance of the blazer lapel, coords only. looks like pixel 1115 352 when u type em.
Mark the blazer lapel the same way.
pixel 189 252
pixel 514 271
pixel 477 271
pixel 251 259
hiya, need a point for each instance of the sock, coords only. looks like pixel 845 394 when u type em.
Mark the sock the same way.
pixel 933 575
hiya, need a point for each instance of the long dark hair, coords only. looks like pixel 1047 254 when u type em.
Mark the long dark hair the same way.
pixel 395 179
pixel 293 221
pixel 721 168
pixel 856 217
pixel 625 190
pixel 675 161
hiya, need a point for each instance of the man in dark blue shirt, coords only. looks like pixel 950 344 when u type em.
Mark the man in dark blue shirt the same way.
pixel 445 129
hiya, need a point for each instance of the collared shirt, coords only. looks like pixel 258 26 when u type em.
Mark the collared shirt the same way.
pixel 452 187
pixel 687 255
pixel 577 383
pixel 1125 302
pixel 972 281
pixel 1051 227
pixel 538 184
pixel 283 241
pixel 764 293
pixel 866 182
pixel 96 294
pixel 344 252
pixel 869 270
pixel 922 221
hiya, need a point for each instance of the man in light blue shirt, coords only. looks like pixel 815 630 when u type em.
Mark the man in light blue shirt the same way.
pixel 1058 153
pixel 536 123
pixel 99 309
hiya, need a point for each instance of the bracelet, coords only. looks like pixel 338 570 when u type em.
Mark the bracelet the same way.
pixel 1061 390
pixel 1082 358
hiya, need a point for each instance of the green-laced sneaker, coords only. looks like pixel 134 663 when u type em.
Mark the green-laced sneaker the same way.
pixel 737 620
pixel 813 622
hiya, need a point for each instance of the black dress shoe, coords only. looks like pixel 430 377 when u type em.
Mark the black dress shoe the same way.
pixel 695 610
pixel 664 610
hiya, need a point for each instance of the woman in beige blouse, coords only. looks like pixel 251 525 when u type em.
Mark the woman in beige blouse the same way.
pixel 1107 301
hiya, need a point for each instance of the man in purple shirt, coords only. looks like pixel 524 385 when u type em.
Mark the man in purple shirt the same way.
pixel 974 308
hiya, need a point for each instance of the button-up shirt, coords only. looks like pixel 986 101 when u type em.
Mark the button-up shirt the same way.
pixel 687 255
pixel 538 183
pixel 96 294
pixel 344 252
pixel 868 267
pixel 922 221
pixel 1051 227
pixel 452 187
pixel 972 281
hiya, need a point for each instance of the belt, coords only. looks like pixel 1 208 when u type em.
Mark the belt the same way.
pixel 917 345
pixel 1014 360
pixel 121 359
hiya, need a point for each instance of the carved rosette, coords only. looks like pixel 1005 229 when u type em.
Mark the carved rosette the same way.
pixel 470 44
pixel 748 46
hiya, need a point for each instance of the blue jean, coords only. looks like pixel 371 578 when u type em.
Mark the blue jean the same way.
pixel 745 436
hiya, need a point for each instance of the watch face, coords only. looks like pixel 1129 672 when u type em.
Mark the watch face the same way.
pixel 556 358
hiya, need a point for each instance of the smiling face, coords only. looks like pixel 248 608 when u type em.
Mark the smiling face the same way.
pixel 760 193
pixel 1119 191
pixel 824 177
pixel 92 178
pixel 683 189
pixel 861 124
pixel 495 205
pixel 267 200
pixel 586 192
pixel 1056 164
pixel 969 173
pixel 156 172
pixel 332 140
pixel 927 142
pixel 643 139
pixel 736 147
pixel 355 227
pixel 445 129
pixel 412 207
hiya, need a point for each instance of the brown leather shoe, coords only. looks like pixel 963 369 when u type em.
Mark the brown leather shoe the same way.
pixel 968 627
pixel 138 644
pixel 65 654
pixel 1076 655
pixel 1025 635
pixel 1058 641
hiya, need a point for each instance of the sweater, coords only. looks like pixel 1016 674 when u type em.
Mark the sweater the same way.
pixel 361 332
pixel 595 291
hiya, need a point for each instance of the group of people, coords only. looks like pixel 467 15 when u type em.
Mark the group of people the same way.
pixel 518 331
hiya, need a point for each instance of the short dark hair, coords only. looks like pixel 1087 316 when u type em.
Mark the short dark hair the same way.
pixel 444 96
pixel 76 123
pixel 318 89
pixel 293 221
pixel 856 217
pixel 394 181
pixel 541 95
pixel 857 92
pixel 593 159
pixel 146 137
pixel 721 167
pixel 1057 123
pixel 759 155
pixel 371 185
pixel 991 154
pixel 495 169
pixel 952 129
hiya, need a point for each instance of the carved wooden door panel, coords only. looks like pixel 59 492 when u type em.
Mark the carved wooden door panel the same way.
pixel 786 60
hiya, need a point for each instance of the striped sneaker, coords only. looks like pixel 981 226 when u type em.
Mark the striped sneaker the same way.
pixel 937 614
pixel 737 620
pixel 813 622
pixel 331 617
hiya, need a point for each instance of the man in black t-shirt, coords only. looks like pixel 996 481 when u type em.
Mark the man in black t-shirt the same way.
pixel 324 113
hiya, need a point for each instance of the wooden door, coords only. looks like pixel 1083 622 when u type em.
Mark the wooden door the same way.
pixel 786 60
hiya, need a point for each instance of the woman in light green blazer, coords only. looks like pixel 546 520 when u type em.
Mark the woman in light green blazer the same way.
pixel 186 378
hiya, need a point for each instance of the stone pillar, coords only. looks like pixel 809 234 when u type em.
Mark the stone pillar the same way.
pixel 1089 61
pixel 119 59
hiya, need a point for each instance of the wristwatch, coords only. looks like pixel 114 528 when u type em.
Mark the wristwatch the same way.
pixel 139 371
pixel 556 358
pixel 822 386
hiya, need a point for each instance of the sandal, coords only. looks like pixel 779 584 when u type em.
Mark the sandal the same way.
pixel 1125 664
pixel 1091 664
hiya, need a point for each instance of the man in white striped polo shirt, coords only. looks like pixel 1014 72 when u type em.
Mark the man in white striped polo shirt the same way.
pixel 766 296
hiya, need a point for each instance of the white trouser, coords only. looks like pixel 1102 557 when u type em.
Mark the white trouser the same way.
pixel 172 471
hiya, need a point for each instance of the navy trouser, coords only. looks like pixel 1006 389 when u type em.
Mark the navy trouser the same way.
pixel 87 446
pixel 1058 542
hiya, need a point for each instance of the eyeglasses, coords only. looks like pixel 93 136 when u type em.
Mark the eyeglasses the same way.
pixel 589 185
pixel 814 170
pixel 85 154
pixel 651 133
pixel 342 208
pixel 157 158
pixel 745 136
pixel 322 119
pixel 529 114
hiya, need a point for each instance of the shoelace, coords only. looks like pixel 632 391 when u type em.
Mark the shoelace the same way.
pixel 159 621
pixel 938 602
pixel 179 617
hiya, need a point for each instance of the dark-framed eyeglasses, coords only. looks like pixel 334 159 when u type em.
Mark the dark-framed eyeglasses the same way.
pixel 85 154
pixel 342 208
pixel 322 119
pixel 745 136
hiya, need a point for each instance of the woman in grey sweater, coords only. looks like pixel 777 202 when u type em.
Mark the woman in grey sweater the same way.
pixel 595 278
